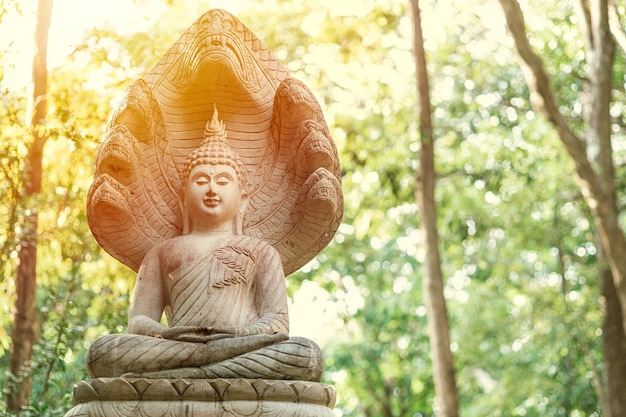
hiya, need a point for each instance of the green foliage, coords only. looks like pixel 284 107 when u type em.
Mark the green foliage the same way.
pixel 81 292
pixel 517 242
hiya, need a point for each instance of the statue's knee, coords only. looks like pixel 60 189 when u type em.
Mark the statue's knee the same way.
pixel 307 345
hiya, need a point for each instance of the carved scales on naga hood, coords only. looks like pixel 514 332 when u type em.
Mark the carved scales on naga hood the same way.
pixel 272 121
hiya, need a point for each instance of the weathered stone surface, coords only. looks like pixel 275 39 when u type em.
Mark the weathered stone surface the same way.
pixel 198 409
pixel 203 390
pixel 126 397
pixel 274 123
pixel 212 208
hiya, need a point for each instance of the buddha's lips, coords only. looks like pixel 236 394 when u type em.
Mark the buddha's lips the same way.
pixel 212 201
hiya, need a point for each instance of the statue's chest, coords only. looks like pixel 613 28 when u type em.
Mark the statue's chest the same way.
pixel 216 290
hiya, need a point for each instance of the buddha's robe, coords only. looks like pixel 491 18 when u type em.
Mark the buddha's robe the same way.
pixel 238 285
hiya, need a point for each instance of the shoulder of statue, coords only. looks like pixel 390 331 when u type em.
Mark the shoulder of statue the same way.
pixel 157 250
pixel 166 246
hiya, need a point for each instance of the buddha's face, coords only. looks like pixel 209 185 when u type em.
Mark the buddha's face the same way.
pixel 212 196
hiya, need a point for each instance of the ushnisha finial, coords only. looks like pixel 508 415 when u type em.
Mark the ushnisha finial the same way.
pixel 215 126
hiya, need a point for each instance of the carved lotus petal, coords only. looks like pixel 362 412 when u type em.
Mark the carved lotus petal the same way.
pixel 181 386
pixel 141 385
pixel 161 389
pixel 84 392
pixel 280 391
pixel 317 394
pixel 201 390
pixel 240 389
pixel 260 386
pixel 220 386
pixel 115 388
pixel 298 387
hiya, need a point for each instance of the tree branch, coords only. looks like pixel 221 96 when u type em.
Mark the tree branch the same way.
pixel 597 187
pixel 598 98
pixel 543 100
pixel 585 17
pixel 617 30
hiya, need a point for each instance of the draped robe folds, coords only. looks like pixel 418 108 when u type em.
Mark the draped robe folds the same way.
pixel 239 285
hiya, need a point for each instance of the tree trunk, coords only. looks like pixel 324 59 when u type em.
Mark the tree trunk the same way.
pixel 614 347
pixel 593 161
pixel 447 404
pixel 596 187
pixel 23 324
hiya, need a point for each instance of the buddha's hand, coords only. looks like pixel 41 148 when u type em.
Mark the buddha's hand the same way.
pixel 186 334
pixel 233 332
pixel 224 333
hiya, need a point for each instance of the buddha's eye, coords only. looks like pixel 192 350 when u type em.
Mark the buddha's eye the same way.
pixel 223 179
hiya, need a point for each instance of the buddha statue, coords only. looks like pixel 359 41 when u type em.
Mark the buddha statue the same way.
pixel 212 225
pixel 223 293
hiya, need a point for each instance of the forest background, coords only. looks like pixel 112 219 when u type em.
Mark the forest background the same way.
pixel 518 243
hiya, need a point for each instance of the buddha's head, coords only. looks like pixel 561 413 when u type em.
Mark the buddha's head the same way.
pixel 214 183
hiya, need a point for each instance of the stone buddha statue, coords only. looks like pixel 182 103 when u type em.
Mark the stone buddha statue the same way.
pixel 212 220
pixel 223 293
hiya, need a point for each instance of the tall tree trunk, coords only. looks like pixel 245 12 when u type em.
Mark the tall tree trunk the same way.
pixel 23 324
pixel 593 162
pixel 447 404
pixel 614 347
pixel 596 183
pixel 597 99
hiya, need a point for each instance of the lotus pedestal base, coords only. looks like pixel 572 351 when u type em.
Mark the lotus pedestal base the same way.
pixel 129 397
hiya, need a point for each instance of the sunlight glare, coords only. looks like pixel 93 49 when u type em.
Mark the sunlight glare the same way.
pixel 70 20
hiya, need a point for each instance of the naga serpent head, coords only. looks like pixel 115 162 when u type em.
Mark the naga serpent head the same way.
pixel 217 55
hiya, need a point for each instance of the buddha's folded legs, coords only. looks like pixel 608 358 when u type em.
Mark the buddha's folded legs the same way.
pixel 293 359
pixel 117 354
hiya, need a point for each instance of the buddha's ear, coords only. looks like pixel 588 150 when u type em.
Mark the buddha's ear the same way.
pixel 183 209
pixel 243 203
pixel 241 209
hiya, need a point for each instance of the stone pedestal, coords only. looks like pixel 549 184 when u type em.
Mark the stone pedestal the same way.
pixel 129 397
